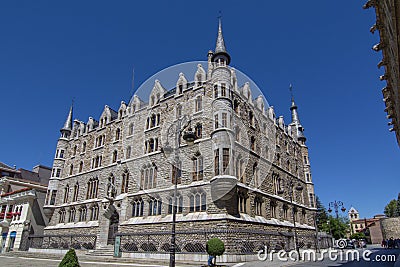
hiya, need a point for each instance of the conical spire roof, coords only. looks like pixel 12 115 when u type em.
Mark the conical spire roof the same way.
pixel 220 49
pixel 68 122
pixel 220 45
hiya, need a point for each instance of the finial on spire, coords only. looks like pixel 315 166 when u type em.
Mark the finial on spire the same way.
pixel 291 91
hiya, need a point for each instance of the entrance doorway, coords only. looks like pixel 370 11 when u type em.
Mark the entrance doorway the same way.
pixel 113 228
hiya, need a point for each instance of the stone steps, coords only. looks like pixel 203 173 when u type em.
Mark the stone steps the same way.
pixel 106 251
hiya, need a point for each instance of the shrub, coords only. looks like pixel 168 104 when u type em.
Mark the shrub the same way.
pixel 215 247
pixel 70 259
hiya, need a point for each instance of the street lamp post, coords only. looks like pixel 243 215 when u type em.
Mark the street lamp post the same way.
pixel 189 137
pixel 336 205
pixel 290 184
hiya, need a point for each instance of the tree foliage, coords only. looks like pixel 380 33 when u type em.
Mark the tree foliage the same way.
pixel 322 216
pixel 397 213
pixel 215 247
pixel 70 259
pixel 338 227
pixel 390 209
pixel 358 236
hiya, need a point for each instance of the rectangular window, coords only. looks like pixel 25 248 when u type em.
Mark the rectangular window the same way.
pixel 312 200
pixel 53 197
pixel 223 89
pixel 225 160
pixel 224 120
pixel 216 124
pixel 215 91
pixel 58 172
pixel 216 162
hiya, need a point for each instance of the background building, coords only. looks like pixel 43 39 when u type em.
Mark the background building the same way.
pixel 388 25
pixel 244 180
pixel 21 201
pixel 371 227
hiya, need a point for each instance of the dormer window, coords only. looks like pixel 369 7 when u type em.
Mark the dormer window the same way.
pixel 180 89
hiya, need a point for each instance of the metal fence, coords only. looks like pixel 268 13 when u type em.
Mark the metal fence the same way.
pixel 236 241
pixel 62 241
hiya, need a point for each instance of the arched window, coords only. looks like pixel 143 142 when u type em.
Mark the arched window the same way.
pixel 66 193
pixel 71 169
pixel 61 218
pixel 74 151
pixel 148 177
pixel 242 202
pixel 137 207
pixel 128 152
pixel 155 206
pixel 197 201
pixel 117 134
pixel 253 143
pixel 72 213
pixel 94 212
pixel 198 104
pixel 92 188
pixel 81 166
pixel 285 211
pixel 273 205
pixel 258 203
pixel 82 213
pixel 197 174
pixel 153 121
pixel 114 156
pixel 125 182
pixel 130 129
pixel 179 202
pixel 176 173
pixel 76 192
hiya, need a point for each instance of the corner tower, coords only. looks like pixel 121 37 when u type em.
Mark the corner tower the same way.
pixel 58 164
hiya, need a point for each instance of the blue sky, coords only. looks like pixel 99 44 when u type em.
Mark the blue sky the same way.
pixel 51 52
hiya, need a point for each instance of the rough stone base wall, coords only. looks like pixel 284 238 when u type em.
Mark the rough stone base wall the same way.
pixel 390 227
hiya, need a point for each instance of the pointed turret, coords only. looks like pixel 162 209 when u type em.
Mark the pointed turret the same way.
pixel 293 109
pixel 296 120
pixel 220 55
pixel 66 130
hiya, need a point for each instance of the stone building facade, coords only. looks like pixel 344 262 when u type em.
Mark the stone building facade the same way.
pixel 247 173
pixel 388 25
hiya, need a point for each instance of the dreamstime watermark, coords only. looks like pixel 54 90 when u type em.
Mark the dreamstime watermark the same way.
pixel 330 254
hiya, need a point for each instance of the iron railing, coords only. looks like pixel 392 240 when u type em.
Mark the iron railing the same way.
pixel 236 241
pixel 62 241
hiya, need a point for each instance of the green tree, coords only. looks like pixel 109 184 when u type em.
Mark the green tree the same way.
pixel 397 213
pixel 215 247
pixel 70 259
pixel 338 227
pixel 358 236
pixel 322 215
pixel 390 209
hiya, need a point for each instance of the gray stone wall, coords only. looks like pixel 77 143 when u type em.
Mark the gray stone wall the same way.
pixel 390 227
